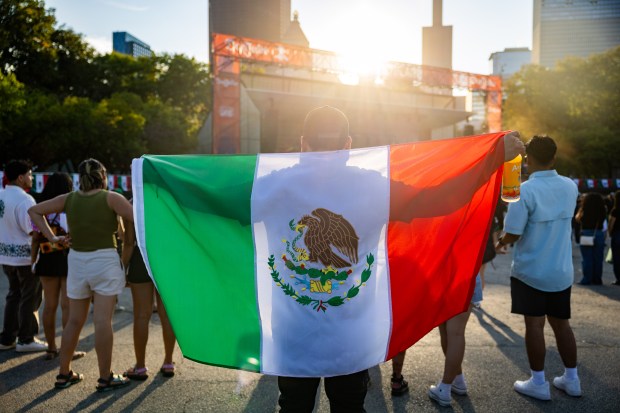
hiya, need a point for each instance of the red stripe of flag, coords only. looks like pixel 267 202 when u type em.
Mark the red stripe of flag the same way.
pixel 443 196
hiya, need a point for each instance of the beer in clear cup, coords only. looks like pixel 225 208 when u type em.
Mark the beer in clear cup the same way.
pixel 511 180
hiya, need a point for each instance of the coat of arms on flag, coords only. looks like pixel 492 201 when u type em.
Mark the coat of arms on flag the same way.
pixel 322 232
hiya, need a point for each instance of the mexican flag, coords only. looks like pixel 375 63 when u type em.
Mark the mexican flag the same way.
pixel 315 264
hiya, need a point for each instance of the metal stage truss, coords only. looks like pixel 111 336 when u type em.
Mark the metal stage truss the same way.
pixel 228 52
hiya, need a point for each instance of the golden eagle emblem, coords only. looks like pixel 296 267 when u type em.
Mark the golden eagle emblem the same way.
pixel 325 235
pixel 324 230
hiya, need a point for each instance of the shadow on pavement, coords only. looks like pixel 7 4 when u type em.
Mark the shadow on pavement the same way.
pixel 39 400
pixel 609 291
pixel 35 367
pixel 375 400
pixel 112 397
pixel 263 395
pixel 143 393
pixel 501 332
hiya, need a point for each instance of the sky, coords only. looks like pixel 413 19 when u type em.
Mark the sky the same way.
pixel 388 30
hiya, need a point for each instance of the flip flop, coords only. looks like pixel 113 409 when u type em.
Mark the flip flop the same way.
pixel 167 370
pixel 69 379
pixel 78 355
pixel 137 373
pixel 112 383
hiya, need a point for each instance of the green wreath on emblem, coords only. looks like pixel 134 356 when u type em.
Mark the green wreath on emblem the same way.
pixel 323 276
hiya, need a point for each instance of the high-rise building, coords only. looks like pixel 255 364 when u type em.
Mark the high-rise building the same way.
pixel 123 42
pixel 510 61
pixel 266 19
pixel 579 28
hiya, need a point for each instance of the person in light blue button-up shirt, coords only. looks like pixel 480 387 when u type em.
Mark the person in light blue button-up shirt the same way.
pixel 539 225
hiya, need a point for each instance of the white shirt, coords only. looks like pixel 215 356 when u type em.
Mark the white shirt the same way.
pixel 15 226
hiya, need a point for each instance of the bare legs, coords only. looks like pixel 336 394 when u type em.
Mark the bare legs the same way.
pixel 397 364
pixel 535 341
pixel 78 311
pixel 167 332
pixel 452 334
pixel 102 319
pixel 54 290
pixel 104 336
pixel 142 294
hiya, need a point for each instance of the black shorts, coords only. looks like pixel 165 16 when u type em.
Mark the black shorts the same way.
pixel 53 264
pixel 529 301
pixel 137 272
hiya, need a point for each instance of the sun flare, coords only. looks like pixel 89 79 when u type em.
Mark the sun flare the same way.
pixel 361 56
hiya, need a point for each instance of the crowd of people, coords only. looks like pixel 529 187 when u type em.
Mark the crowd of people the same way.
pixel 64 249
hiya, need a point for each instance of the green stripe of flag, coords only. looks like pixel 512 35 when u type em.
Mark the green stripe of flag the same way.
pixel 189 205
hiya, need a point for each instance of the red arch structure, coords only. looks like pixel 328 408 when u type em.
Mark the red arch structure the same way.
pixel 228 52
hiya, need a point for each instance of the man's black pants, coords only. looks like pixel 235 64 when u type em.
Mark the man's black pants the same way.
pixel 22 303
pixel 346 394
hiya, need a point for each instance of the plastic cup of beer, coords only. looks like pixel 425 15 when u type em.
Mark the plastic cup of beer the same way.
pixel 511 180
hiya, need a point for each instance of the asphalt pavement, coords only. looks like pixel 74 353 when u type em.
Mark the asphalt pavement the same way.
pixel 495 357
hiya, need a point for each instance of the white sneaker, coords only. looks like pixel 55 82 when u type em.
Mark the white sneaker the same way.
pixel 7 346
pixel 435 393
pixel 36 345
pixel 570 387
pixel 459 388
pixel 529 388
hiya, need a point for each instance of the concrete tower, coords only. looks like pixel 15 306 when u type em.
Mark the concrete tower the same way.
pixel 437 41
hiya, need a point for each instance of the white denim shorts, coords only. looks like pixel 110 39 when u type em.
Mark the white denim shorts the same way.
pixel 97 271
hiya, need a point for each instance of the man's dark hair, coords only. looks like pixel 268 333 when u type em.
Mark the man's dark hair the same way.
pixel 15 168
pixel 326 128
pixel 542 148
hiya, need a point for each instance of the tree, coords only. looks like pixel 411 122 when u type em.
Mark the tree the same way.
pixel 576 103
pixel 12 101
pixel 39 54
pixel 25 38
pixel 61 101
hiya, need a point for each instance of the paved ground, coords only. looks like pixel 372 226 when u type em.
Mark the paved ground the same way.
pixel 494 359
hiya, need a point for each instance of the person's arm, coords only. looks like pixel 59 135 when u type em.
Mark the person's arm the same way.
pixel 579 216
pixel 612 222
pixel 501 246
pixel 37 215
pixel 516 220
pixel 34 247
pixel 122 207
pixel 451 195
pixel 129 239
pixel 124 210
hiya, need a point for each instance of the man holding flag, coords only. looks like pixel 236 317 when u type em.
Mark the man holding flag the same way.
pixel 323 261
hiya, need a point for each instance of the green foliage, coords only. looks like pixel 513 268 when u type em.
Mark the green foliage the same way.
pixel 63 102
pixel 12 102
pixel 577 104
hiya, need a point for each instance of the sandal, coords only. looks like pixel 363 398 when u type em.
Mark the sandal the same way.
pixel 111 383
pixel 167 370
pixel 52 354
pixel 137 373
pixel 67 379
pixel 399 386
